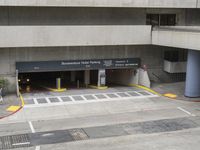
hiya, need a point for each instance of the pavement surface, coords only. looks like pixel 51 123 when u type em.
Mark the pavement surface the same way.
pixel 177 88
pixel 145 121
pixel 8 100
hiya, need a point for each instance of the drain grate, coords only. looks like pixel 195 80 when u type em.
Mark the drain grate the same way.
pixel 78 134
pixel 14 141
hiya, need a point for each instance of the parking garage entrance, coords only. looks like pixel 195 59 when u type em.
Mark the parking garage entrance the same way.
pixel 44 75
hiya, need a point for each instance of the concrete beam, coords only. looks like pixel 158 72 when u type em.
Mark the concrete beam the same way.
pixel 180 37
pixel 103 3
pixel 51 36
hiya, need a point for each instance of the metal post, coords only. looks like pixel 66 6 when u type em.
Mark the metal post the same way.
pixel 58 83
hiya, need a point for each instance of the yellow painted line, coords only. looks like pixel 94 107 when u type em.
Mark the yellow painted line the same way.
pixel 57 90
pixel 22 99
pixel 98 87
pixel 13 108
pixel 145 88
pixel 170 95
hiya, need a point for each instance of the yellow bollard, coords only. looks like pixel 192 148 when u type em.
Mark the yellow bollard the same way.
pixel 58 83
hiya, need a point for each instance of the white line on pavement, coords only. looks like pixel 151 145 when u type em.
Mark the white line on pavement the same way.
pixel 187 112
pixel 83 102
pixel 17 144
pixel 31 126
pixel 35 100
pixel 37 148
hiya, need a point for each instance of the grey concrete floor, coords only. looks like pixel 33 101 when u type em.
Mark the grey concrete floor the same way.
pixel 177 88
pixel 8 100
pixel 103 117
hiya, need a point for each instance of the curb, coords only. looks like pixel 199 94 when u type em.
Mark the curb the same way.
pixel 22 105
pixel 146 88
pixel 154 92
pixel 98 87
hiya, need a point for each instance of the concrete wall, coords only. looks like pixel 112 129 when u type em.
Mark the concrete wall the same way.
pixel 80 16
pixel 152 56
pixel 104 3
pixel 41 36
pixel 71 16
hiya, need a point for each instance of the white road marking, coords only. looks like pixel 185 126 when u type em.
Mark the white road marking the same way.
pixel 47 99
pixel 35 100
pixel 59 98
pixel 47 134
pixel 85 99
pixel 73 100
pixel 137 92
pixel 91 101
pixel 107 98
pixel 187 112
pixel 17 144
pixel 37 148
pixel 31 126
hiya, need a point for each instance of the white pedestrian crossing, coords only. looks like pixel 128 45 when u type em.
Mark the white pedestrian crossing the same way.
pixel 85 98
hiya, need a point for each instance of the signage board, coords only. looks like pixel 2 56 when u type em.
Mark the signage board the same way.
pixel 67 65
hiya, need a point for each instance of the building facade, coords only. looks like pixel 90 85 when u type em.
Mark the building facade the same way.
pixel 163 36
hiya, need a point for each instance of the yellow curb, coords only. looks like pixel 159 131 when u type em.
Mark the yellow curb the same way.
pixel 98 87
pixel 57 90
pixel 145 88
pixel 22 99
pixel 170 95
pixel 13 108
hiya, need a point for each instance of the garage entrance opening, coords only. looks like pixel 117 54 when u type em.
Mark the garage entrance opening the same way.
pixel 43 81
pixel 120 76
pixel 43 75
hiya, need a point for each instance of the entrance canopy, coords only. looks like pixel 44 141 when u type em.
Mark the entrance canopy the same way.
pixel 70 65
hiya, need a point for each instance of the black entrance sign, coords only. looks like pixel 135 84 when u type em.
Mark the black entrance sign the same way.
pixel 46 66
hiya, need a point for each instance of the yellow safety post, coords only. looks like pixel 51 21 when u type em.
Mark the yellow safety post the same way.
pixel 58 83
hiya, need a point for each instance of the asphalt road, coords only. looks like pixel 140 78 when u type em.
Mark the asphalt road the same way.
pixel 145 123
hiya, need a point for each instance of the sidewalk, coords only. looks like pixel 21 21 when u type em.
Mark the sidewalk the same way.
pixel 177 88
pixel 8 100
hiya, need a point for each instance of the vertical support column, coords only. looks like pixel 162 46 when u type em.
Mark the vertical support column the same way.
pixel 101 77
pixel 73 76
pixel 192 88
pixel 87 77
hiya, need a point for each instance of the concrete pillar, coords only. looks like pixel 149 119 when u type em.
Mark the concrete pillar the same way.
pixel 87 77
pixel 73 76
pixel 101 77
pixel 192 88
